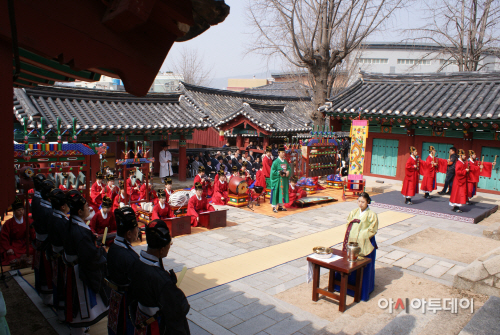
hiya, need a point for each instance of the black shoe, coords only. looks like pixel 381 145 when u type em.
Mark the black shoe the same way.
pixel 409 202
pixel 275 210
pixel 448 193
pixel 280 208
pixel 442 193
pixel 468 203
pixel 427 196
pixel 283 209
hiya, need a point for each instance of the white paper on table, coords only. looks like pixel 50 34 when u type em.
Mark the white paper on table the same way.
pixel 310 265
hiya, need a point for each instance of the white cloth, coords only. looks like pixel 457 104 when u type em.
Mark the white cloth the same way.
pixel 310 267
pixel 165 164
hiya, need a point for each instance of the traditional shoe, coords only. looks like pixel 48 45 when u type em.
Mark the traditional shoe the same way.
pixel 280 208
pixel 275 210
pixel 427 196
pixel 448 193
pixel 410 203
pixel 441 193
pixel 468 203
pixel 283 209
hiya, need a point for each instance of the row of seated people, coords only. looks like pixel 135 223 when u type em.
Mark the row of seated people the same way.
pixel 83 283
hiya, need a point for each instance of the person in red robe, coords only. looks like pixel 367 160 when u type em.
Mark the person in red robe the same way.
pixel 111 189
pixel 221 196
pixel 153 197
pixel 473 176
pixel 168 189
pixel 235 171
pixel 244 173
pixel 198 204
pixel 162 209
pixel 96 192
pixel 458 196
pixel 410 182
pixel 62 186
pixel 267 162
pixel 205 182
pixel 431 168
pixel 121 198
pixel 294 193
pixel 13 236
pixel 133 187
pixel 104 218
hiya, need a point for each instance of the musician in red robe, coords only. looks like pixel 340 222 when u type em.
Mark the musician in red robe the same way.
pixel 267 162
pixel 96 192
pixel 62 186
pixel 111 189
pixel 473 176
pixel 244 173
pixel 204 181
pixel 458 196
pixel 168 188
pixel 294 193
pixel 13 235
pixel 162 209
pixel 121 198
pixel 260 180
pixel 198 204
pixel 410 182
pixel 221 189
pixel 104 218
pixel 153 197
pixel 431 168
pixel 235 171
pixel 133 187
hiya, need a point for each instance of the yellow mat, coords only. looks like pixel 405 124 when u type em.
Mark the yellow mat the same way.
pixel 207 276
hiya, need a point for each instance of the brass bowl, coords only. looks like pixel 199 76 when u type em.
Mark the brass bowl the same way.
pixel 322 250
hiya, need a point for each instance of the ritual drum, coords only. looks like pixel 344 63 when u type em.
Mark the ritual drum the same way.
pixel 238 185
pixel 179 198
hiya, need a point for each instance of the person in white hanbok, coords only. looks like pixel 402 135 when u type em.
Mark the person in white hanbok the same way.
pixel 165 162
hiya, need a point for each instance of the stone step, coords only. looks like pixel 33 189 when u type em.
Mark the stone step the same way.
pixel 486 321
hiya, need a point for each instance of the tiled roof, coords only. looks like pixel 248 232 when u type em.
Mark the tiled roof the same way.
pixel 273 113
pixel 461 95
pixel 284 89
pixel 105 110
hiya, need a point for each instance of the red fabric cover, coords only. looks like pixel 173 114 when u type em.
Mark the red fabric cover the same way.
pixel 162 213
pixel 294 195
pixel 429 173
pixel 98 223
pixel 13 236
pixel 459 189
pixel 220 191
pixel 410 182
pixel 266 166
pixel 195 207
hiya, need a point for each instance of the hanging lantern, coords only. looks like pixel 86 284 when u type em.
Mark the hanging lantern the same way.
pixel 221 135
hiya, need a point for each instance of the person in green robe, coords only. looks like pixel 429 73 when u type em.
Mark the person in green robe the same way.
pixel 280 173
pixel 362 226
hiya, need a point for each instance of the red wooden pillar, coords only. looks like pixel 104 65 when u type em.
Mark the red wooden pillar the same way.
pixel 182 159
pixel 6 128
pixel 95 166
pixel 239 141
pixel 265 143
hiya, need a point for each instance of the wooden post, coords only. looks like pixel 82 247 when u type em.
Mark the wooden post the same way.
pixel 265 143
pixel 182 158
pixel 239 141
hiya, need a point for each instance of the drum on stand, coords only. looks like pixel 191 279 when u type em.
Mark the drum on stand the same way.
pixel 238 185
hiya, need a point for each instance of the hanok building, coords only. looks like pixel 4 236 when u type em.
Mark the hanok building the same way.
pixel 442 110
pixel 111 117
pixel 258 118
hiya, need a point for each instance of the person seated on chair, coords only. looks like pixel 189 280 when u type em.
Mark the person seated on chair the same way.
pixel 13 235
pixel 162 209
pixel 121 259
pixel 161 306
pixel 362 226
pixel 153 197
pixel 220 190
pixel 122 198
pixel 168 188
pixel 294 193
pixel 198 204
pixel 204 181
pixel 104 218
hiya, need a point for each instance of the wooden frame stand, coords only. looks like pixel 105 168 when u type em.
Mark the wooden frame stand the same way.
pixel 238 200
pixel 309 189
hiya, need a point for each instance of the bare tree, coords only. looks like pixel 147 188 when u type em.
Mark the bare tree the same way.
pixel 316 35
pixel 190 64
pixel 466 30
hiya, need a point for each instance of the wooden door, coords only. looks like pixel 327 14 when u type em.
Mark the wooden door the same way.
pixel 384 157
pixel 492 183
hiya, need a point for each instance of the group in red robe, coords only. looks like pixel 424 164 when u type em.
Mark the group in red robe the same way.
pixel 429 172
pixel 473 176
pixel 133 190
pixel 121 197
pixel 294 193
pixel 410 182
pixel 220 196
pixel 13 235
pixel 198 204
pixel 206 184
pixel 111 189
pixel 162 209
pixel 458 195
pixel 96 192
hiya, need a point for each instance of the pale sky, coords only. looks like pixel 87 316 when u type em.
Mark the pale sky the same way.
pixel 224 45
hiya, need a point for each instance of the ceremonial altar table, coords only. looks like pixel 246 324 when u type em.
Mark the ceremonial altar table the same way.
pixel 344 267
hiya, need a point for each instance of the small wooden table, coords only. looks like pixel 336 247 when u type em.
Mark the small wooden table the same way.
pixel 215 219
pixel 345 268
